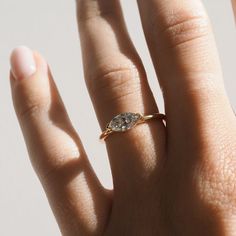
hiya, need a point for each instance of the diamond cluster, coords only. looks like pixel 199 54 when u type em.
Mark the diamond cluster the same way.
pixel 124 122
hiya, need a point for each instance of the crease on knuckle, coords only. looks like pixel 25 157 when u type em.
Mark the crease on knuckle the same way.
pixel 85 17
pixel 116 84
pixel 184 28
pixel 34 108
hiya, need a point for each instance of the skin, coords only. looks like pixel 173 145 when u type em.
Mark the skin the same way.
pixel 173 180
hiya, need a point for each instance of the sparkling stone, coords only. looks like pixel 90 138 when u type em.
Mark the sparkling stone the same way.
pixel 124 122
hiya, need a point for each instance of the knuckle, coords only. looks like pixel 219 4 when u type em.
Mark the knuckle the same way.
pixel 59 162
pixel 183 27
pixel 33 109
pixel 85 14
pixel 116 84
pixel 86 18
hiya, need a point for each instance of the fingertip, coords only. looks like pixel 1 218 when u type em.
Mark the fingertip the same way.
pixel 23 64
pixel 30 81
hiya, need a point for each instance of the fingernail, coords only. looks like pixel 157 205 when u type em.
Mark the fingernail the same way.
pixel 22 63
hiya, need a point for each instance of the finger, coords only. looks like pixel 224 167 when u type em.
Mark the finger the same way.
pixel 183 50
pixel 117 83
pixel 79 202
pixel 234 7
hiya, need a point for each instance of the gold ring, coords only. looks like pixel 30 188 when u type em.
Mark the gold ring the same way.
pixel 125 121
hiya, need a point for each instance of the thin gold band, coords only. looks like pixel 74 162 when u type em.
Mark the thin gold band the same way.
pixel 133 118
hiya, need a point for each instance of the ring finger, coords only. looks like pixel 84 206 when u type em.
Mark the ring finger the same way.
pixel 117 83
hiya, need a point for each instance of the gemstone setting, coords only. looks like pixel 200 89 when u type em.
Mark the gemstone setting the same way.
pixel 124 122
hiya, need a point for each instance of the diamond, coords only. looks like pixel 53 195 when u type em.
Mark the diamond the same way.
pixel 124 122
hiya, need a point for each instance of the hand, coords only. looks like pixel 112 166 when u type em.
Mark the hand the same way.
pixel 177 179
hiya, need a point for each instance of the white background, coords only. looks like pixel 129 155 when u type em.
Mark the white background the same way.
pixel 50 27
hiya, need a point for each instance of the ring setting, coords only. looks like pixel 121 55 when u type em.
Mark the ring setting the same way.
pixel 126 121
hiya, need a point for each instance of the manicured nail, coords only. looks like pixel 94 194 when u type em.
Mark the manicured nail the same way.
pixel 22 63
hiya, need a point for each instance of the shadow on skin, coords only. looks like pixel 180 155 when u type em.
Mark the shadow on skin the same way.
pixel 60 179
pixel 128 152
